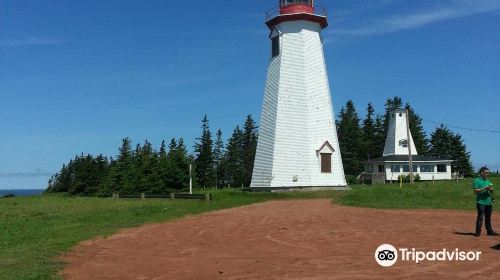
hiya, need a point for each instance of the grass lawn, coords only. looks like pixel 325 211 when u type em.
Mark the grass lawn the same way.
pixel 34 231
pixel 442 195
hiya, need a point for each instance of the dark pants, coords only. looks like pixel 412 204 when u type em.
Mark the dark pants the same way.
pixel 484 211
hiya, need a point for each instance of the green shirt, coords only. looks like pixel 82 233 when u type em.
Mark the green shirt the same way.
pixel 483 197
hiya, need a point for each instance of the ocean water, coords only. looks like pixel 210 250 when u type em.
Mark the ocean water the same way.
pixel 22 192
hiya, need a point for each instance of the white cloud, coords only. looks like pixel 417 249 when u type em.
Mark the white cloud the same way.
pixel 28 41
pixel 394 23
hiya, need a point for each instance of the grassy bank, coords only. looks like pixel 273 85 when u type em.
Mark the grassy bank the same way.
pixel 442 195
pixel 35 230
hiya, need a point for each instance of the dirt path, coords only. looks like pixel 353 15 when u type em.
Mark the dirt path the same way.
pixel 301 239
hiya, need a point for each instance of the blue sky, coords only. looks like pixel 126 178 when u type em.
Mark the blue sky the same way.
pixel 77 76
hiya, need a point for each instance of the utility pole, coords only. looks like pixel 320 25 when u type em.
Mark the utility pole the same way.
pixel 409 145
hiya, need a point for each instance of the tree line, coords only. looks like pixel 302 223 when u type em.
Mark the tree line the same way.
pixel 145 169
pixel 362 139
pixel 218 163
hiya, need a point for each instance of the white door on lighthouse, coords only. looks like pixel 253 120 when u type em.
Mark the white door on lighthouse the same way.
pixel 298 145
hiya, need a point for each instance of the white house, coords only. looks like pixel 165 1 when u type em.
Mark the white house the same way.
pixel 297 145
pixel 395 159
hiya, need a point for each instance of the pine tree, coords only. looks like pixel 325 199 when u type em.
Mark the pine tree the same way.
pixel 123 175
pixel 219 160
pixel 146 168
pixel 391 105
pixel 163 169
pixel 369 149
pixel 249 147
pixel 417 131
pixel 446 144
pixel 233 159
pixel 204 160
pixel 379 136
pixel 350 139
pixel 178 165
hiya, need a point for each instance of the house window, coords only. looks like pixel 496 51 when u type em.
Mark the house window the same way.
pixel 276 46
pixel 326 163
pixel 380 169
pixel 406 168
pixel 403 143
pixel 395 168
pixel 426 168
pixel 441 168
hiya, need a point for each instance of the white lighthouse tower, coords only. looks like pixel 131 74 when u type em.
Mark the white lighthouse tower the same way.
pixel 397 140
pixel 298 145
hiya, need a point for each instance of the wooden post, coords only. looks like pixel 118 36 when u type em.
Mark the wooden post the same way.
pixel 172 196
pixel 456 176
pixel 143 196
pixel 117 195
pixel 433 180
pixel 207 197
pixel 401 180
pixel 113 196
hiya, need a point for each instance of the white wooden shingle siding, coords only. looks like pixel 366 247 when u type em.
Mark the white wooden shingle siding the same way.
pixel 397 132
pixel 297 116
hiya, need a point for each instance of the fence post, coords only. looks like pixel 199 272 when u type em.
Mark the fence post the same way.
pixel 433 180
pixel 143 196
pixel 172 196
pixel 207 197
pixel 117 195
pixel 113 195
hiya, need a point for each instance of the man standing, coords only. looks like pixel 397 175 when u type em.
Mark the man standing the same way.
pixel 483 189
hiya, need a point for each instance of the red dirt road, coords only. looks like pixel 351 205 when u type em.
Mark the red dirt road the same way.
pixel 299 239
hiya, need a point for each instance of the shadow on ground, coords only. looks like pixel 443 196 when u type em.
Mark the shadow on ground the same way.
pixel 496 247
pixel 464 233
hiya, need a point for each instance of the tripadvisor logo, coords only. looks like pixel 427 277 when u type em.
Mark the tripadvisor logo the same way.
pixel 387 255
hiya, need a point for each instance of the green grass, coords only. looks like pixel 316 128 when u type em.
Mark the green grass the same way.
pixel 34 231
pixel 442 195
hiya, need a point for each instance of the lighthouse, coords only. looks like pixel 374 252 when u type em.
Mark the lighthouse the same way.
pixel 298 146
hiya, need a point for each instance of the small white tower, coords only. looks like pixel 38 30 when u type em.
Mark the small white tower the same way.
pixel 297 145
pixel 396 142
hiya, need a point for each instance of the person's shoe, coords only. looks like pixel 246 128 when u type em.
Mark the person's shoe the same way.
pixel 493 233
pixel 477 234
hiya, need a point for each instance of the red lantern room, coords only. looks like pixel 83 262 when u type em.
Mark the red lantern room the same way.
pixel 293 10
pixel 296 6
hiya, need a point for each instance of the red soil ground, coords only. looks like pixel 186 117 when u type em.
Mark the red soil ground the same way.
pixel 301 239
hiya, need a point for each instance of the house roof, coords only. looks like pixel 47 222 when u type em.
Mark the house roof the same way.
pixel 405 158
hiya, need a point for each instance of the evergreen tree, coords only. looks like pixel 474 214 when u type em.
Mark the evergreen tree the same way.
pixel 122 176
pixel 249 147
pixel 146 169
pixel 446 144
pixel 417 131
pixel 163 168
pixel 391 104
pixel 204 159
pixel 369 150
pixel 234 159
pixel 219 160
pixel 178 165
pixel 350 139
pixel 379 136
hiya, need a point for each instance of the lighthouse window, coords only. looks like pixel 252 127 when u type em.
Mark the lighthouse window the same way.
pixel 276 46
pixel 326 163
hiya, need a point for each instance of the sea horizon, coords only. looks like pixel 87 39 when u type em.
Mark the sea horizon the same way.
pixel 21 192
